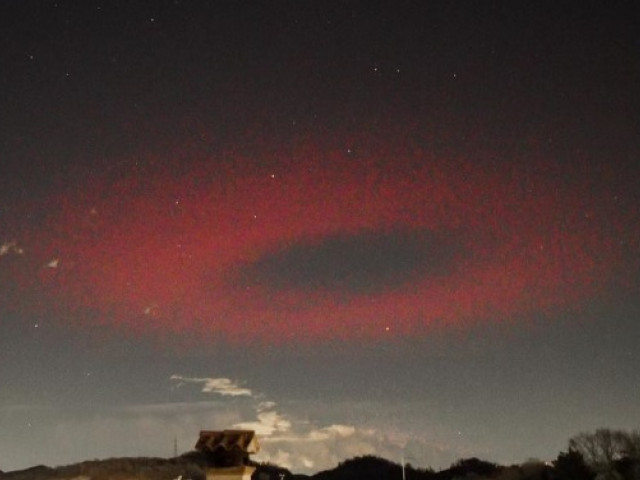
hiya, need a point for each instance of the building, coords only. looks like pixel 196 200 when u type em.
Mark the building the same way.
pixel 227 453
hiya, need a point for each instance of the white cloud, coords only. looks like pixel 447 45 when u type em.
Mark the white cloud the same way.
pixel 291 442
pixel 310 447
pixel 262 406
pixel 305 437
pixel 54 263
pixel 10 247
pixel 291 462
pixel 307 462
pixel 307 433
pixel 266 424
pixel 332 431
pixel 282 459
pixel 5 248
pixel 221 386
pixel 297 438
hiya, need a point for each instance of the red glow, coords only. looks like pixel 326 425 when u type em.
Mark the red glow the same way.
pixel 153 251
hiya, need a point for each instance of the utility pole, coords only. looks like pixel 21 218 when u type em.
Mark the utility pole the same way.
pixel 404 476
pixel 175 446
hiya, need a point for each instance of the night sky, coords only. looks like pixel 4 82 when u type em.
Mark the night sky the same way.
pixel 406 228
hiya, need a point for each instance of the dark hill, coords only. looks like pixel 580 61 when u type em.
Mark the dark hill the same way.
pixel 370 467
pixel 469 467
pixel 141 468
pixel 192 466
pixel 32 473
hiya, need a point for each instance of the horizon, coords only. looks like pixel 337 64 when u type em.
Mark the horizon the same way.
pixel 615 452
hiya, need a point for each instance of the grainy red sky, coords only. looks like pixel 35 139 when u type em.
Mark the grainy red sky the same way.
pixel 321 243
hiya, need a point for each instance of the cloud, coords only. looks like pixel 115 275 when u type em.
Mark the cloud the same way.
pixel 286 440
pixel 222 386
pixel 302 446
pixel 332 431
pixel 320 447
pixel 262 406
pixel 54 263
pixel 267 423
pixel 311 433
pixel 10 247
pixel 361 263
pixel 293 437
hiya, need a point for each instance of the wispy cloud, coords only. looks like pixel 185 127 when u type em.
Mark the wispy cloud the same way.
pixel 222 386
pixel 304 437
pixel 290 438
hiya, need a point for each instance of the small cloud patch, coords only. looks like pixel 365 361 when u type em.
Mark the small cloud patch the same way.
pixel 222 386
pixel 10 248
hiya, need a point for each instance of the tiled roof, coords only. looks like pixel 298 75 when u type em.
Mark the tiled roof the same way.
pixel 211 440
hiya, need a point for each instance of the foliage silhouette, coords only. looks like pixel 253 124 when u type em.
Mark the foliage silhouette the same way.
pixel 609 453
pixel 605 454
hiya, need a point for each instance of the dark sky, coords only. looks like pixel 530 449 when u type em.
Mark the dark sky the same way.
pixel 400 228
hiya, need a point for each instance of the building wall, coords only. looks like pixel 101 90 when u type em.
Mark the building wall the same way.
pixel 230 473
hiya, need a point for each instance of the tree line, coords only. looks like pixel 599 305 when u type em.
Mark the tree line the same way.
pixel 601 455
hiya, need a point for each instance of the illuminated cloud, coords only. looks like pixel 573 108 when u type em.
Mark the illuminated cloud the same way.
pixel 286 440
pixel 6 247
pixel 290 442
pixel 332 431
pixel 313 447
pixel 267 423
pixel 262 406
pixel 222 386
pixel 10 247
pixel 54 263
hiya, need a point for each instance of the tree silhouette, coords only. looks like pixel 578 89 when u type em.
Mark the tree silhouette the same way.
pixel 469 467
pixel 571 466
pixel 611 454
